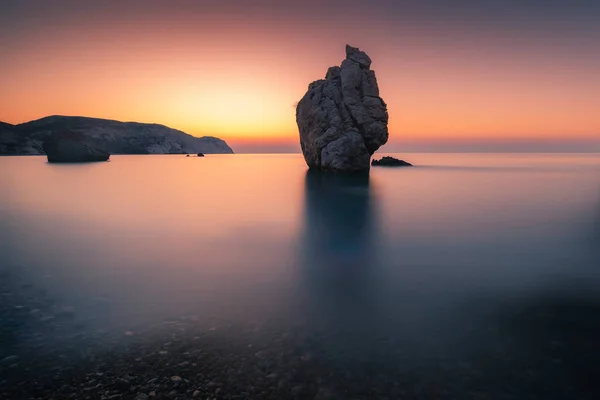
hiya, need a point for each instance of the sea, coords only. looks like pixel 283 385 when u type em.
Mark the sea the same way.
pixel 467 276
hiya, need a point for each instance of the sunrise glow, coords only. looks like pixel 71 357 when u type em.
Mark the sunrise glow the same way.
pixel 229 73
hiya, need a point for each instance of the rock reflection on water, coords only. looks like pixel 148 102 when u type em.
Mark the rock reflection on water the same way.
pixel 339 217
pixel 340 233
pixel 427 342
pixel 339 257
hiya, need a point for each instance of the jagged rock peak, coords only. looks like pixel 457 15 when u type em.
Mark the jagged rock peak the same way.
pixel 360 57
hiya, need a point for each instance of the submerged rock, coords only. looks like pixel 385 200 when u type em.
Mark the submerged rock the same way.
pixel 9 360
pixel 390 162
pixel 341 119
pixel 69 146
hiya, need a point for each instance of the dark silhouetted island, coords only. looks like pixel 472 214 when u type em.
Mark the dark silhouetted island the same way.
pixel 341 119
pixel 67 146
pixel 114 136
pixel 390 162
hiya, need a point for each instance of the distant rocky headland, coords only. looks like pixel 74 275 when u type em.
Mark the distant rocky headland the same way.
pixel 115 137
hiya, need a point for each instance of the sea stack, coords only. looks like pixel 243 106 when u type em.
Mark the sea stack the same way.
pixel 69 146
pixel 341 119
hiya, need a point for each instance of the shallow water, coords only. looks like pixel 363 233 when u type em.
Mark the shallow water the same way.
pixel 484 262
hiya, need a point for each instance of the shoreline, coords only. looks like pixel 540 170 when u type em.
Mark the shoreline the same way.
pixel 52 358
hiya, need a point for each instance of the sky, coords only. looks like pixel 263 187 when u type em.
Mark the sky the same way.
pixel 456 75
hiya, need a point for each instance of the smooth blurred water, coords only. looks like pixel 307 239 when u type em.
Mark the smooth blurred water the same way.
pixel 445 260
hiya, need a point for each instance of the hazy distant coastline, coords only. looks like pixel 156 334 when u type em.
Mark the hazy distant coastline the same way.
pixel 116 136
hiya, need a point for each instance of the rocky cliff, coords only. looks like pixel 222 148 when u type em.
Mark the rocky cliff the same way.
pixel 116 137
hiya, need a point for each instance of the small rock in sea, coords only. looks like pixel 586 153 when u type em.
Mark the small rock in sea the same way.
pixel 325 394
pixel 200 155
pixel 143 389
pixel 272 376
pixel 390 162
pixel 9 360
pixel 176 378
pixel 71 146
pixel 187 155
pixel 66 310
pixel 296 390
pixel 196 393
pixel 142 396
pixel 260 354
pixel 122 384
pixel 152 394
pixel 112 397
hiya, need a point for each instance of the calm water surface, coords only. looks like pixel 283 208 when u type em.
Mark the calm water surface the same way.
pixel 484 266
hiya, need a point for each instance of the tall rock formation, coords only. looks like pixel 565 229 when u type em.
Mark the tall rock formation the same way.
pixel 341 119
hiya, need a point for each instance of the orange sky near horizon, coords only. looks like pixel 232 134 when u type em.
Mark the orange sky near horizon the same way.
pixel 238 78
